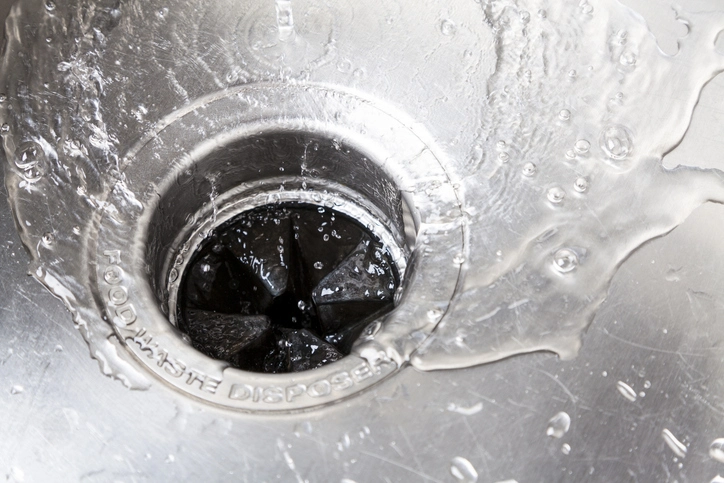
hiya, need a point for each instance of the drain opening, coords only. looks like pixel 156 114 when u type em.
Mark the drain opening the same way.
pixel 286 287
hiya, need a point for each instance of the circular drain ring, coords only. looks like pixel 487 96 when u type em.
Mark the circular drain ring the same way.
pixel 183 139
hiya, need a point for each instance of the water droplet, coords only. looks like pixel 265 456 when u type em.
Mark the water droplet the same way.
pixel 17 389
pixel 501 145
pixel 172 275
pixel 463 470
pixel 586 8
pixel 542 13
pixel 325 237
pixel 525 16
pixel 565 260
pixel 604 374
pixel 3 98
pixel 674 444
pixel 529 169
pixel 626 391
pixel 716 450
pixel 459 259
pixel 76 230
pixel 627 58
pixel 570 154
pixel 434 314
pixel 48 239
pixel 504 157
pixel 564 115
pixel 559 425
pixel 49 5
pixel 556 195
pixel 582 146
pixel 616 142
pixel 566 449
pixel 572 73
pixel 581 185
pixel 647 384
pixel 318 265
pixel 447 27
pixel 5 128
pixel 301 305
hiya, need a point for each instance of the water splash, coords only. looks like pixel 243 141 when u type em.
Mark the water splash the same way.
pixel 620 194
pixel 580 186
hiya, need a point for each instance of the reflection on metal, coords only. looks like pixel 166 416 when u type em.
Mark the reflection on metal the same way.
pixel 163 166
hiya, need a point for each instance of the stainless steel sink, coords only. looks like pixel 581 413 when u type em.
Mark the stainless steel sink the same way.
pixel 641 401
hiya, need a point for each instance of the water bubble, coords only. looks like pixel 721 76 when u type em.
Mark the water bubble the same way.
pixel 48 239
pixel 49 5
pixel 626 391
pixel 501 145
pixel 3 98
pixel 572 73
pixel 616 142
pixel 647 384
pixel 674 444
pixel 529 169
pixel 716 450
pixel 556 195
pixel 5 128
pixel 172 275
pixel 301 305
pixel 627 58
pixel 566 449
pixel 447 27
pixel 581 185
pixel 558 425
pixel 564 115
pixel 525 16
pixel 325 237
pixel 76 230
pixel 459 259
pixel 463 470
pixel 582 146
pixel 504 157
pixel 542 13
pixel 565 260
pixel 586 8
pixel 318 265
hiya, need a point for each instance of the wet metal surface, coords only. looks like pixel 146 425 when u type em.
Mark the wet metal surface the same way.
pixel 643 400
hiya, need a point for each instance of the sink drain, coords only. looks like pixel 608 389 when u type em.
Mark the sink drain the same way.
pixel 285 288
pixel 277 248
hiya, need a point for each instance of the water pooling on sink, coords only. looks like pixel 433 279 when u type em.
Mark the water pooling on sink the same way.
pixel 556 157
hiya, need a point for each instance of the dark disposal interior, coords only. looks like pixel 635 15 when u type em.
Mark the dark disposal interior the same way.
pixel 285 288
